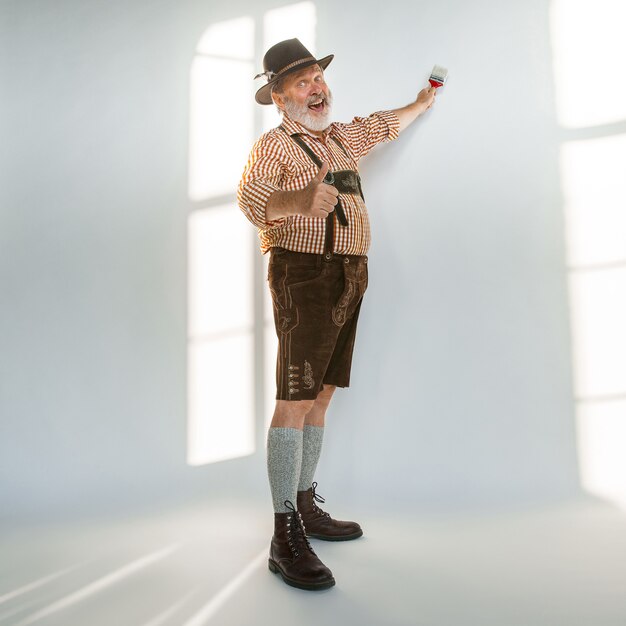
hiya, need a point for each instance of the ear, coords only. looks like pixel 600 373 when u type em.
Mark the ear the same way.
pixel 278 101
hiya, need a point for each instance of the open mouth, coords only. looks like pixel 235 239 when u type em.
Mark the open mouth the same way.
pixel 318 106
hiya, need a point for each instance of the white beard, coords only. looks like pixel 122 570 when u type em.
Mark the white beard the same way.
pixel 302 114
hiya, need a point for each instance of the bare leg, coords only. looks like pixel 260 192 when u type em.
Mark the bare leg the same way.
pixel 297 413
pixel 291 413
pixel 315 417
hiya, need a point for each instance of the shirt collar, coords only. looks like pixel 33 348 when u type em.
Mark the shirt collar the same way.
pixel 291 126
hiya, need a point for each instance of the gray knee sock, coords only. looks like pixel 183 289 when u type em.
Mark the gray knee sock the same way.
pixel 284 460
pixel 311 448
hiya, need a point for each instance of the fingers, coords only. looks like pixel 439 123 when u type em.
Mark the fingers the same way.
pixel 322 196
pixel 427 96
pixel 324 201
pixel 327 193
pixel 322 212
pixel 328 201
pixel 324 193
pixel 319 177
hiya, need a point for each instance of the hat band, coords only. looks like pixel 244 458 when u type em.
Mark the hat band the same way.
pixel 298 62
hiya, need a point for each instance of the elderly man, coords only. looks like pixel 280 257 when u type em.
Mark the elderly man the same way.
pixel 301 188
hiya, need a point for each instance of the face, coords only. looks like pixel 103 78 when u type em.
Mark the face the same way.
pixel 306 98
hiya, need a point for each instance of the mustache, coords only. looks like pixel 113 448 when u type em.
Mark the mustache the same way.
pixel 322 96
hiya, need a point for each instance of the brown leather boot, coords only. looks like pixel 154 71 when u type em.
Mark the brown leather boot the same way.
pixel 320 524
pixel 292 556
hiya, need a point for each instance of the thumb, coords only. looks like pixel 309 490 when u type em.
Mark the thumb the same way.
pixel 319 177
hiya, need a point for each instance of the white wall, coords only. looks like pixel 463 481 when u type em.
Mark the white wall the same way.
pixel 461 384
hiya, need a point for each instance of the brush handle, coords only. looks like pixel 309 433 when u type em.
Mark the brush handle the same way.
pixel 435 83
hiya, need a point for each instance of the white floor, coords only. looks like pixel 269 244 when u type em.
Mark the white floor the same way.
pixel 563 565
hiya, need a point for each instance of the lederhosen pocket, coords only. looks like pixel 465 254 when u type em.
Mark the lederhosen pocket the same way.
pixel 289 271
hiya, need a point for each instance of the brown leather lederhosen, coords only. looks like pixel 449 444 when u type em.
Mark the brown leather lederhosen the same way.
pixel 345 181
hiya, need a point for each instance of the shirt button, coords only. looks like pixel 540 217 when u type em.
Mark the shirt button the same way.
pixel 346 260
pixel 327 256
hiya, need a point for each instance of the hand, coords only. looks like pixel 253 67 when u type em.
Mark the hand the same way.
pixel 318 198
pixel 426 98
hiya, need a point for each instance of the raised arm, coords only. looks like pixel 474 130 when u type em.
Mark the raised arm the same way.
pixel 409 113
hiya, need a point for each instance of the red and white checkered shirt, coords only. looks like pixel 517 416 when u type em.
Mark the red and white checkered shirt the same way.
pixel 276 162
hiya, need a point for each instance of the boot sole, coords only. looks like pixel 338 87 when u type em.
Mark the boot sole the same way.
pixel 336 538
pixel 294 583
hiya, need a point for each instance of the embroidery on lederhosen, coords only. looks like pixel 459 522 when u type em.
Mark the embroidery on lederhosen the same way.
pixel 283 320
pixel 339 311
pixel 308 379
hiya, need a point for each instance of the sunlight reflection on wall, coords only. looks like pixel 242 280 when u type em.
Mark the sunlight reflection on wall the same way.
pixel 589 48
pixel 221 332
pixel 222 244
pixel 220 374
pixel 221 127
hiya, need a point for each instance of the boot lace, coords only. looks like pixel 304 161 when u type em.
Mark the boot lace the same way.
pixel 318 498
pixel 296 539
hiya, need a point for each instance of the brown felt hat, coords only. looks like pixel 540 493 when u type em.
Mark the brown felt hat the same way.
pixel 282 59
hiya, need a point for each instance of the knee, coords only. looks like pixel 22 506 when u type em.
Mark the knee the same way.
pixel 291 413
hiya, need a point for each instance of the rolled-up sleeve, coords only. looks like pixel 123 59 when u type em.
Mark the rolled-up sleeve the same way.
pixel 363 133
pixel 261 177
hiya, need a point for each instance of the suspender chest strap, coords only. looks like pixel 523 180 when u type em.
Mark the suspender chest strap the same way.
pixel 345 181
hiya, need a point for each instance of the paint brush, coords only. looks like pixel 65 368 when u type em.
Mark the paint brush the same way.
pixel 438 76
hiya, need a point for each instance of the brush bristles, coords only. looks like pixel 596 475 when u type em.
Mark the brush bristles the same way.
pixel 439 74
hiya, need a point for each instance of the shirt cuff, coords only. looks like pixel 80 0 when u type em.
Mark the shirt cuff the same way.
pixel 256 196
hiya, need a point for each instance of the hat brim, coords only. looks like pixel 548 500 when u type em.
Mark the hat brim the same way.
pixel 264 94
